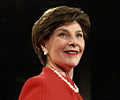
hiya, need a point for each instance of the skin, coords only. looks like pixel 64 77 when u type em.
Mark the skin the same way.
pixel 64 49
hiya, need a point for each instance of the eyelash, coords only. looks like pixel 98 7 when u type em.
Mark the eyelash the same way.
pixel 65 35
pixel 61 34
pixel 80 35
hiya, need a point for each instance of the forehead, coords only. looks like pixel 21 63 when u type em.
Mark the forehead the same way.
pixel 72 26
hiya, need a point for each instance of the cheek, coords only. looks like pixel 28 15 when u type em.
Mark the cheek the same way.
pixel 59 44
pixel 56 52
pixel 82 45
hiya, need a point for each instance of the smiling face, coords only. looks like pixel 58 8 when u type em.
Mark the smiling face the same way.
pixel 65 47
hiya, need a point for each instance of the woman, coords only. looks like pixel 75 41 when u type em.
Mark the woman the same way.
pixel 58 38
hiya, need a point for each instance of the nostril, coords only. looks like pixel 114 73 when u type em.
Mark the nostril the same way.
pixel 73 44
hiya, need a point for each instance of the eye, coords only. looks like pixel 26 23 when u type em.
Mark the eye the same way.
pixel 62 34
pixel 79 35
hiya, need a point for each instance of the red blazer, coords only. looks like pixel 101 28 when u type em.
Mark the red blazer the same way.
pixel 48 86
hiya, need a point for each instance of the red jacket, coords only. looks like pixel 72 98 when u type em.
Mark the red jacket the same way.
pixel 48 86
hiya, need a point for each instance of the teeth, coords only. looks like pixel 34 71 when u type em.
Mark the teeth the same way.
pixel 71 51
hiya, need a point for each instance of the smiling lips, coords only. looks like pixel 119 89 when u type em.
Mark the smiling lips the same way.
pixel 71 52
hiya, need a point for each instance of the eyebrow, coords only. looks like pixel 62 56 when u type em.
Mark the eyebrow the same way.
pixel 68 31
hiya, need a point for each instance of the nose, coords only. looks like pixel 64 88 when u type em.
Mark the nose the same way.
pixel 73 43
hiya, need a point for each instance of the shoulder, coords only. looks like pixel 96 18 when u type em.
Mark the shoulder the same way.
pixel 33 82
pixel 34 88
pixel 36 80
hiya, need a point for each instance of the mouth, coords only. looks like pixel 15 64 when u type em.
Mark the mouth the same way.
pixel 72 52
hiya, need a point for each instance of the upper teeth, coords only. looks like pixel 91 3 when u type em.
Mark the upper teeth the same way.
pixel 72 51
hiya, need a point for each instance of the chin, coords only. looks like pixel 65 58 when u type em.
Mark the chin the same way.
pixel 72 62
pixel 72 65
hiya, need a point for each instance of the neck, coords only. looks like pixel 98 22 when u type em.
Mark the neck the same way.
pixel 68 74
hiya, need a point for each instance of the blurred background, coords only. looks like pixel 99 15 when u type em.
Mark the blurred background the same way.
pixel 98 73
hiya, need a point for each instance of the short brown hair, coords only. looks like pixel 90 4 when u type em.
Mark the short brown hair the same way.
pixel 53 18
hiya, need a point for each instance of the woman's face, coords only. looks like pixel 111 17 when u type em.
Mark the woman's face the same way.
pixel 65 47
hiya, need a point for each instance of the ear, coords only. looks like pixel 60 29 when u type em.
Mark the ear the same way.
pixel 43 45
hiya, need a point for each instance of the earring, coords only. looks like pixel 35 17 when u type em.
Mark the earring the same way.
pixel 45 53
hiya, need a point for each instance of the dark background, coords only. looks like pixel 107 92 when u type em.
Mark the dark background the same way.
pixel 101 59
